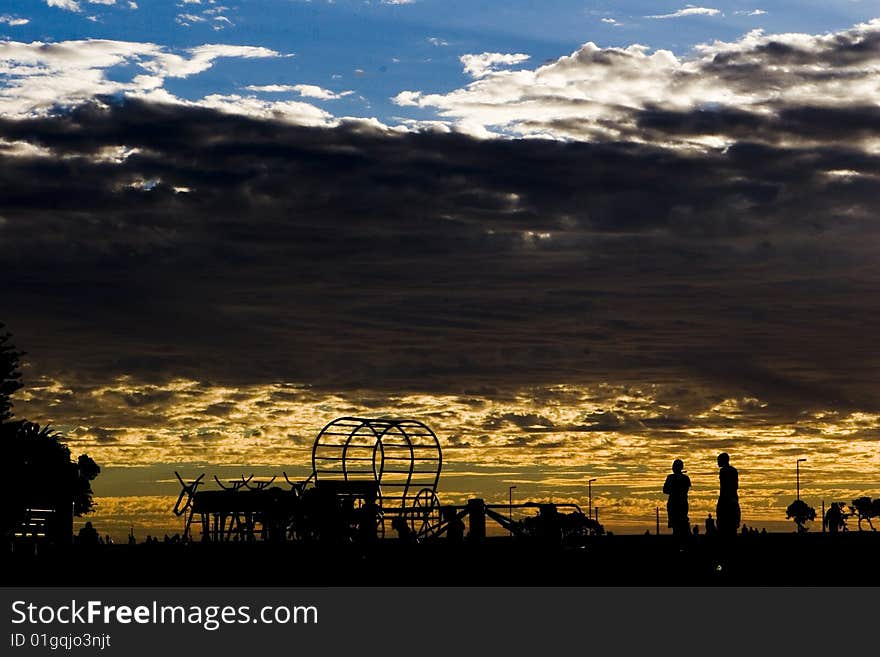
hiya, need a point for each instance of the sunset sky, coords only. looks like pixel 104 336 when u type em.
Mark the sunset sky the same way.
pixel 577 239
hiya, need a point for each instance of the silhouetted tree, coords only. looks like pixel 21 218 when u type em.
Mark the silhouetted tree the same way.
pixel 9 374
pixel 865 509
pixel 577 524
pixel 569 526
pixel 41 474
pixel 38 470
pixel 801 513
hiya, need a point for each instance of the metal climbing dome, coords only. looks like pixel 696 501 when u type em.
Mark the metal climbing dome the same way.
pixel 385 468
pixel 400 458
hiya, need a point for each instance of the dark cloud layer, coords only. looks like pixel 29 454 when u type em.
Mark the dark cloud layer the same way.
pixel 162 241
pixel 811 124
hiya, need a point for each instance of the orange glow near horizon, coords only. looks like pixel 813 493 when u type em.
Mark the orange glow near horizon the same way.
pixel 548 442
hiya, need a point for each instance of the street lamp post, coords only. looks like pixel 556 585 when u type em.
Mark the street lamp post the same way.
pixel 510 507
pixel 590 489
pixel 799 461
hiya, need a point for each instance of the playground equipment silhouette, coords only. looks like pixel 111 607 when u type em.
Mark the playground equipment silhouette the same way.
pixel 370 476
pixel 369 513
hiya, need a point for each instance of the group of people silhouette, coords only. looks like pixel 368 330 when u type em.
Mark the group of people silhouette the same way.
pixel 727 511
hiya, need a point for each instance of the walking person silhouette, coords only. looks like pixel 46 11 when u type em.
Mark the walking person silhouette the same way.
pixel 676 487
pixel 727 511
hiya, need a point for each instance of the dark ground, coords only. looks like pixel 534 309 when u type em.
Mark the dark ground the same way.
pixel 849 559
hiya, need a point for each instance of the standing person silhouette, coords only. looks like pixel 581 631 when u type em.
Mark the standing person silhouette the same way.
pixel 727 511
pixel 833 518
pixel 454 525
pixel 676 487
pixel 710 525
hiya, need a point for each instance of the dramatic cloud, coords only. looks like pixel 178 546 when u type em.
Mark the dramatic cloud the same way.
pixel 243 250
pixel 548 440
pixel 188 19
pixel 41 77
pixel 690 10
pixel 68 5
pixel 305 90
pixel 479 65
pixel 214 16
pixel 608 93
pixel 13 21
pixel 200 59
pixel 686 263
pixel 293 111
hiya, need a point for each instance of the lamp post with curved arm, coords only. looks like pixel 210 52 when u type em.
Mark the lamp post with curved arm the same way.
pixel 510 505
pixel 799 461
pixel 590 489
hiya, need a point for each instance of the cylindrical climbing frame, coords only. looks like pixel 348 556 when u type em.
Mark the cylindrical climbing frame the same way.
pixel 402 456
